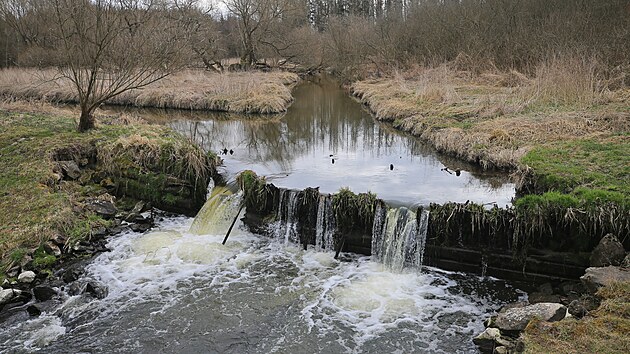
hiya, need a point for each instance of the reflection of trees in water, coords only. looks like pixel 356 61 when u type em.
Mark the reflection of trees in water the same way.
pixel 323 120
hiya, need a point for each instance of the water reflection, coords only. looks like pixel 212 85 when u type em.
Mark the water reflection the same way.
pixel 326 139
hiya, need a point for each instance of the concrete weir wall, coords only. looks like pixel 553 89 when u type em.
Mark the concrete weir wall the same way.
pixel 507 243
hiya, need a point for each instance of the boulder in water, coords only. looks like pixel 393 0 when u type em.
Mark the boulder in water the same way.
pixel 44 293
pixel 516 319
pixel 608 252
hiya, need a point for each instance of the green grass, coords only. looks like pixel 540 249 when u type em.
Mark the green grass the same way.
pixel 34 206
pixel 590 170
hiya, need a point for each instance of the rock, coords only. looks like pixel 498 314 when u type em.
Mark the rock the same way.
pixel 52 248
pixel 138 208
pixel 26 277
pixel 486 340
pixel 608 252
pixel 33 311
pixel 140 227
pixel 44 293
pixel 501 350
pixel 538 297
pixel 626 261
pixel 58 239
pixel 7 295
pixel 72 273
pixel 70 169
pixel 96 290
pixel 516 319
pixel 596 277
pixel 514 305
pixel 102 208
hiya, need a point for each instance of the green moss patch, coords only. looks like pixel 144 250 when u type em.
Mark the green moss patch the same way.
pixel 588 169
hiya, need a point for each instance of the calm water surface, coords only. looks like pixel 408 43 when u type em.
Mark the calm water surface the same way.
pixel 297 150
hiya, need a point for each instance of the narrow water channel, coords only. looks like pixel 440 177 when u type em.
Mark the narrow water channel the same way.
pixel 177 289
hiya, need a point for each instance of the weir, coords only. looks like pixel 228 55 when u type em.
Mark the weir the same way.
pixel 454 236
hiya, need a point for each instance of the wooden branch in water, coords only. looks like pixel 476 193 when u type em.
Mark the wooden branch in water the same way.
pixel 233 222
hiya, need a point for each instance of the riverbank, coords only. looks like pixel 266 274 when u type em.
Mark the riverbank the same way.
pixel 238 92
pixel 58 184
pixel 561 132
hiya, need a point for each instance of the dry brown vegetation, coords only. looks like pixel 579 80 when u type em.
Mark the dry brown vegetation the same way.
pixel 247 92
pixel 605 330
pixel 494 118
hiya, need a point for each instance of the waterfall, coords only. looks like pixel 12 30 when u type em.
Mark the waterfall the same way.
pixel 286 216
pixel 216 216
pixel 325 227
pixel 399 237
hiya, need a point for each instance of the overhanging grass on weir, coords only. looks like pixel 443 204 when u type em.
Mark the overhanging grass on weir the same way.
pixel 35 205
pixel 551 221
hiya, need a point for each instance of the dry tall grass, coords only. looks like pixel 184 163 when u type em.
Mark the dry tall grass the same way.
pixel 247 92
pixel 494 118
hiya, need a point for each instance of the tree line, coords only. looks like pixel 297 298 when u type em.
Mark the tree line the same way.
pixel 108 46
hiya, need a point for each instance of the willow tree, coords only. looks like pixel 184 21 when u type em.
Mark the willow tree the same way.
pixel 107 47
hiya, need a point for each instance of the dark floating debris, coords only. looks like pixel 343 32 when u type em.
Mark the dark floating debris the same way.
pixel 231 152
pixel 446 170
pixel 458 172
pixel 225 151
pixel 333 161
pixel 391 167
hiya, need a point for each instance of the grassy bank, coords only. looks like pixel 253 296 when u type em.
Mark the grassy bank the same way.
pixel 248 92
pixel 37 202
pixel 565 125
pixel 604 330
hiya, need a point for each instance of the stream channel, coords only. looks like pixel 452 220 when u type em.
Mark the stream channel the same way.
pixel 176 289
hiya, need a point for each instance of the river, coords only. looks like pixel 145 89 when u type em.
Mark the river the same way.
pixel 177 289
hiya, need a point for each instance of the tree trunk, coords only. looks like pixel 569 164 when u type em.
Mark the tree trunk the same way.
pixel 86 121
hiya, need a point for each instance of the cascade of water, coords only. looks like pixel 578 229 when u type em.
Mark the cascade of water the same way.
pixel 325 226
pixel 398 237
pixel 377 232
pixel 217 214
pixel 291 220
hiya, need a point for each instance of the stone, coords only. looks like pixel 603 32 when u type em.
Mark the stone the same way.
pixel 70 169
pixel 102 208
pixel 486 340
pixel 596 277
pixel 138 208
pixel 140 227
pixel 626 261
pixel 96 290
pixel 608 252
pixel 44 293
pixel 33 311
pixel 501 350
pixel 9 295
pixel 516 319
pixel 26 277
pixel 58 239
pixel 538 297
pixel 52 248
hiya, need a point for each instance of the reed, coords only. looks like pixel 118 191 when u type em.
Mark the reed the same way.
pixel 243 92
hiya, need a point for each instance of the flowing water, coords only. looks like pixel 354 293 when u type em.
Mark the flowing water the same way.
pixel 327 140
pixel 177 289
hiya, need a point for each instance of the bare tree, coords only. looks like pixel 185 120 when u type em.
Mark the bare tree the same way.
pixel 107 47
pixel 256 17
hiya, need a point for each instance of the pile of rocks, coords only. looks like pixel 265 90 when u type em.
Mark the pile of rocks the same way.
pixel 32 288
pixel 609 263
